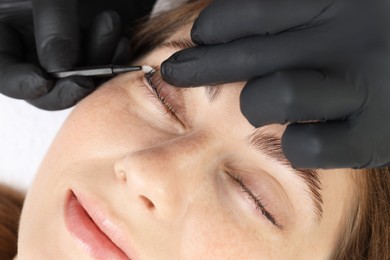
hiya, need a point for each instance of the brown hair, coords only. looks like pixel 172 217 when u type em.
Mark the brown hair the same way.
pixel 11 203
pixel 152 32
pixel 367 232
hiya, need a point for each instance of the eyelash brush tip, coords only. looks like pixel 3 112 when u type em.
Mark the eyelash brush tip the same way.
pixel 147 69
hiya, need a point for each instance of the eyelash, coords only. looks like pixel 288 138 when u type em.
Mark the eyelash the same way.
pixel 256 199
pixel 156 83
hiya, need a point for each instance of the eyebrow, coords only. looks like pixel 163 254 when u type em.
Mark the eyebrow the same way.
pixel 265 143
pixel 271 146
pixel 178 44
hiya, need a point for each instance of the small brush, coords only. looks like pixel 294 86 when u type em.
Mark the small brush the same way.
pixel 101 71
pixel 147 69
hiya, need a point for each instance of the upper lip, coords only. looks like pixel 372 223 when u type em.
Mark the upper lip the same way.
pixel 106 224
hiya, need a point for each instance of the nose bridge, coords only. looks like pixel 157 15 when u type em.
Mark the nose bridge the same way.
pixel 164 177
pixel 177 157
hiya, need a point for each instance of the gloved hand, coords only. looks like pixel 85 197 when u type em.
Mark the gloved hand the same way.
pixel 65 34
pixel 323 66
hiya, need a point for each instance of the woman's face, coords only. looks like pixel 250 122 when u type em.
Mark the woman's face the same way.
pixel 190 180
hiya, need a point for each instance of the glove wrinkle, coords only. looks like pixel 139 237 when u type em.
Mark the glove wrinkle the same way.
pixel 122 52
pixel 66 54
pixel 65 94
pixel 56 33
pixel 103 37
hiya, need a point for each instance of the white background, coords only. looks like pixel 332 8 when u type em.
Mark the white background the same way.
pixel 25 134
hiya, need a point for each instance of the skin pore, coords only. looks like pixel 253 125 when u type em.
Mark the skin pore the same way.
pixel 169 182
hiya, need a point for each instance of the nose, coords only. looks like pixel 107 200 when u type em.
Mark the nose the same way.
pixel 164 179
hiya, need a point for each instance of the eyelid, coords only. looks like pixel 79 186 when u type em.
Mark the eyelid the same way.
pixel 171 97
pixel 257 202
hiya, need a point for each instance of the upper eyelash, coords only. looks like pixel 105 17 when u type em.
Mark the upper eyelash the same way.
pixel 259 204
pixel 155 84
pixel 149 76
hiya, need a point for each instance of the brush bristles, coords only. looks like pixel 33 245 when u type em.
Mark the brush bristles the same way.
pixel 147 69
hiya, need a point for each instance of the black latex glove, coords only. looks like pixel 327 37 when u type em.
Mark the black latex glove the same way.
pixel 304 60
pixel 65 34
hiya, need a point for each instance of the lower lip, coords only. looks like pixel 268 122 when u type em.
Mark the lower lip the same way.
pixel 87 234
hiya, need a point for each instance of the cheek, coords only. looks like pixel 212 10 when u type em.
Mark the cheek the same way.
pixel 215 234
pixel 104 125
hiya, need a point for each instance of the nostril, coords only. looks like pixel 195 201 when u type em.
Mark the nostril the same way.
pixel 148 203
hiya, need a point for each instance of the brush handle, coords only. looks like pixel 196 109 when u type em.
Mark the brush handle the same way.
pixel 101 71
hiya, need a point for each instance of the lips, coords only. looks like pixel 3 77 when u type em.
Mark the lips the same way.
pixel 85 228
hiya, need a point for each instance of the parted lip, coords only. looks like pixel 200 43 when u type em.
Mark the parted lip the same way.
pixel 105 223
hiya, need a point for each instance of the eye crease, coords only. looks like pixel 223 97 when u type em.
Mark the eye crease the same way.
pixel 255 199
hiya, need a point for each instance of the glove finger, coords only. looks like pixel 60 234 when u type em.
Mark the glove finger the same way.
pixel 103 38
pixel 129 11
pixel 56 33
pixel 326 145
pixel 65 94
pixel 23 81
pixel 224 21
pixel 299 95
pixel 17 79
pixel 122 52
pixel 244 59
